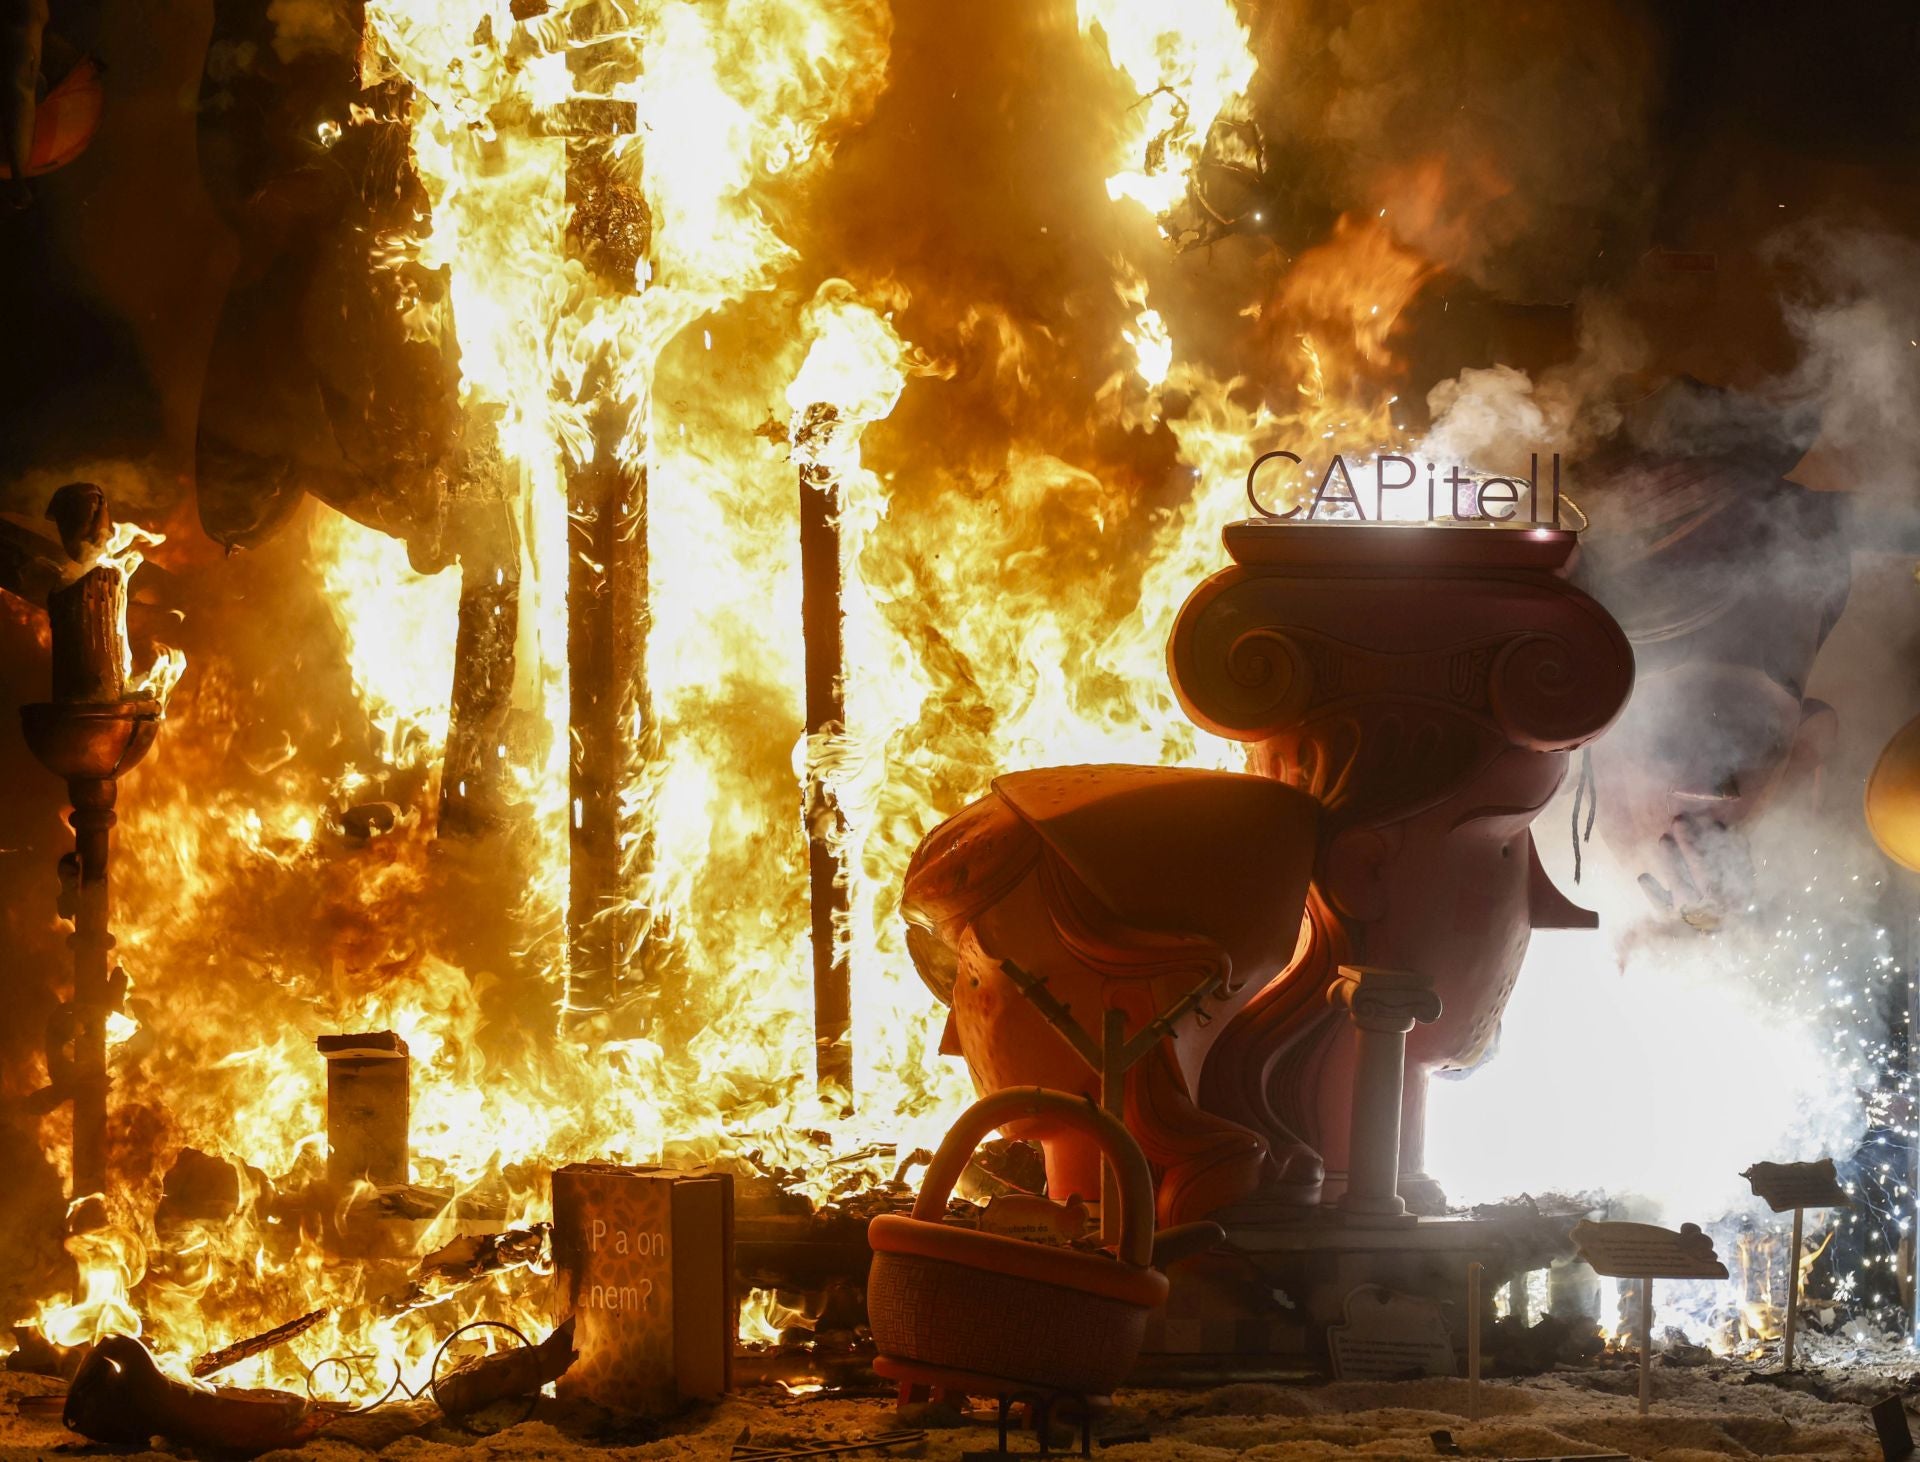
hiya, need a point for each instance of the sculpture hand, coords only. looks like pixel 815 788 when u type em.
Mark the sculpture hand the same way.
pixel 1706 871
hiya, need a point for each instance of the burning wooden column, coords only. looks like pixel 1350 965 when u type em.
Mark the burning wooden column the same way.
pixel 853 373
pixel 606 641
pixel 826 824
pixel 610 232
pixel 89 733
pixel 472 786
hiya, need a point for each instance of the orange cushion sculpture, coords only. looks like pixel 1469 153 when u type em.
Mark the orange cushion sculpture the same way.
pixel 1123 888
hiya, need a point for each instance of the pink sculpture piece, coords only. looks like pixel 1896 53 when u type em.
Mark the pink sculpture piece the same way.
pixel 1425 686
pixel 1123 889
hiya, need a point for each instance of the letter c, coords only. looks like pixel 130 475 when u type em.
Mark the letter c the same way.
pixel 1258 506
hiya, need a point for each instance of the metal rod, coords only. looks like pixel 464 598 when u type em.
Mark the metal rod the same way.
pixel 92 942
pixel 1113 1097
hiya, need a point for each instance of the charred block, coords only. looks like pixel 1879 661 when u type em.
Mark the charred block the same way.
pixel 369 1104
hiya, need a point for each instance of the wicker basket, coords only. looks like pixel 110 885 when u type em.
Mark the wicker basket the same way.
pixel 944 1300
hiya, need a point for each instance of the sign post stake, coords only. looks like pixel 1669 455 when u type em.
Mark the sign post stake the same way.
pixel 1646 1343
pixel 1793 1289
pixel 1473 1340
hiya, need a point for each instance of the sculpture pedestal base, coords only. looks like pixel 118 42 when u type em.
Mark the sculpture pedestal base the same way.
pixel 1220 1322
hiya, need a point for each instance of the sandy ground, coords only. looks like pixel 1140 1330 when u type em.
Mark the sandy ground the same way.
pixel 1715 1410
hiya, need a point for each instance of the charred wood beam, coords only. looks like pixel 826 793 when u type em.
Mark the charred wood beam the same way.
pixel 467 1260
pixel 473 789
pixel 609 230
pixel 579 117
pixel 606 640
pixel 476 1384
pixel 820 617
pixel 231 1355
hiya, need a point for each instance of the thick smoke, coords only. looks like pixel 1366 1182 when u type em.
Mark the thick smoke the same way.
pixel 1508 143
pixel 1742 1001
pixel 1496 415
pixel 1856 316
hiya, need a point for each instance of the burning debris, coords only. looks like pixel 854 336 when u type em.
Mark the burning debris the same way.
pixel 215 1361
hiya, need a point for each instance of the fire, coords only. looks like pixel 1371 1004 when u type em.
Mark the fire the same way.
pixel 261 904
pixel 764 1316
pixel 122 553
pixel 397 628
pixel 110 1263
pixel 1350 291
pixel 1762 1270
pixel 1190 63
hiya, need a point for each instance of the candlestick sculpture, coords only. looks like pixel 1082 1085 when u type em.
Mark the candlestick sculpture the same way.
pixel 90 733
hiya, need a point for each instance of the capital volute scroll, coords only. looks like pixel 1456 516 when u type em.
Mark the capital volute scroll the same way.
pixel 1390 1001
pixel 1356 622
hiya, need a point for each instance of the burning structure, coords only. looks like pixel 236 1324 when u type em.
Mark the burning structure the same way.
pixel 644 514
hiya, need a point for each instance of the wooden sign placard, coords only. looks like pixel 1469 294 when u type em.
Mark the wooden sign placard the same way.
pixel 1647 1251
pixel 1390 1337
pixel 1784 1186
pixel 1796 1187
pixel 644 1262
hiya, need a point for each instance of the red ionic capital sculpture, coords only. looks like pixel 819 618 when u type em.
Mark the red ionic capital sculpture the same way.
pixel 1425 686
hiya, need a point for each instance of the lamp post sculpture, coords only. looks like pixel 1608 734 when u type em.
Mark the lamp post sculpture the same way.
pixel 95 728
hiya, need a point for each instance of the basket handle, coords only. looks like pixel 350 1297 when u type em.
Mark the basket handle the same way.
pixel 1017 1102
